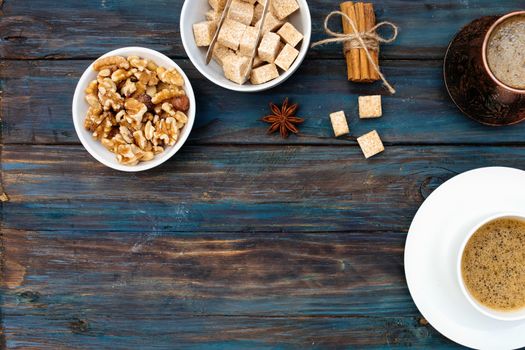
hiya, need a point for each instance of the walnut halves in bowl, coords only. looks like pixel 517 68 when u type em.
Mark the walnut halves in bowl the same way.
pixel 136 108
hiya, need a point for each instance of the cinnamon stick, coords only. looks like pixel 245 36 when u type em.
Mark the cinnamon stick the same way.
pixel 370 23
pixel 352 55
pixel 361 26
pixel 359 67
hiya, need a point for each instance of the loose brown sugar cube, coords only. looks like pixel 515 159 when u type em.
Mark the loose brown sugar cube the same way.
pixel 203 32
pixel 284 8
pixel 286 57
pixel 241 11
pixel 221 52
pixel 269 47
pixel 235 67
pixel 289 34
pixel 339 123
pixel 217 5
pixel 248 41
pixel 264 74
pixel 371 144
pixel 271 23
pixel 370 106
pixel 257 13
pixel 231 34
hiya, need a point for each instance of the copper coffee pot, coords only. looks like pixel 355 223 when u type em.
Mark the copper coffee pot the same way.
pixel 470 82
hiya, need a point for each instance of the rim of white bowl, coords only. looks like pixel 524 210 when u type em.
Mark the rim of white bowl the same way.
pixel 159 158
pixel 303 4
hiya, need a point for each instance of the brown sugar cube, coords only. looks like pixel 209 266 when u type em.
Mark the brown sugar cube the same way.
pixel 248 41
pixel 271 23
pixel 286 57
pixel 339 123
pixel 241 11
pixel 235 67
pixel 231 34
pixel 289 34
pixel 221 52
pixel 213 16
pixel 371 144
pixel 269 47
pixel 264 74
pixel 370 106
pixel 284 8
pixel 257 62
pixel 203 32
pixel 257 13
pixel 217 5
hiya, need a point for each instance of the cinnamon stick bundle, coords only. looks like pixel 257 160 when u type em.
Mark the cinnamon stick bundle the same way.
pixel 358 66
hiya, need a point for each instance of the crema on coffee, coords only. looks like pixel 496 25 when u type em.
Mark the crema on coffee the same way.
pixel 506 52
pixel 493 264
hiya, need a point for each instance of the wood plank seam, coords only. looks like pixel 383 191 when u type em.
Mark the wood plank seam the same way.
pixel 312 55
pixel 2 254
pixel 297 145
pixel 2 249
pixel 1 102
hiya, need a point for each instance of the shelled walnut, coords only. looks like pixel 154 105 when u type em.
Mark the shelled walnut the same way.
pixel 136 108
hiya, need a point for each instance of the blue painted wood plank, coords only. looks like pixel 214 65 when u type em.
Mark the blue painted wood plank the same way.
pixel 202 274
pixel 225 333
pixel 37 96
pixel 75 289
pixel 72 29
pixel 234 188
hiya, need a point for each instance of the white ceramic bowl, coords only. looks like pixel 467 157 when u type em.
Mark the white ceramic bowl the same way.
pixel 498 315
pixel 193 11
pixel 94 147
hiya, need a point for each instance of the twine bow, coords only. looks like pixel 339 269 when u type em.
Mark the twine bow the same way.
pixel 368 40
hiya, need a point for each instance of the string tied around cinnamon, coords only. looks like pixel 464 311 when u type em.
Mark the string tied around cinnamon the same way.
pixel 367 40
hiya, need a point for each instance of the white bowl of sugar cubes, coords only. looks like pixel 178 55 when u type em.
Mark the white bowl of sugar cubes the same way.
pixel 285 39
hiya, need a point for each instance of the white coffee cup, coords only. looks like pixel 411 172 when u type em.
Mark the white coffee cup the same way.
pixel 492 313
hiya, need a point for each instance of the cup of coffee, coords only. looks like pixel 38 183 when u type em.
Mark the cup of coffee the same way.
pixel 484 69
pixel 503 52
pixel 491 267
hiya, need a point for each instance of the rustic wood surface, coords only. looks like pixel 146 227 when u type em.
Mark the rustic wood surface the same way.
pixel 241 240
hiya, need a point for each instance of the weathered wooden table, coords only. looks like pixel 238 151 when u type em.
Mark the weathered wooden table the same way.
pixel 241 240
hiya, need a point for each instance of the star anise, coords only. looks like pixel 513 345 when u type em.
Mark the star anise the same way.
pixel 283 119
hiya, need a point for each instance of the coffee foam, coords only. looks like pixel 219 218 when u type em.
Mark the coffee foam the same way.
pixel 493 264
pixel 506 52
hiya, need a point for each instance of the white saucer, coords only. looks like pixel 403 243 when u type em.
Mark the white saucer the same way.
pixel 432 245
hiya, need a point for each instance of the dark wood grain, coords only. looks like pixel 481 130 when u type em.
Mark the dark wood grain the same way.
pixel 235 188
pixel 131 289
pixel 72 29
pixel 231 333
pixel 37 98
pixel 213 273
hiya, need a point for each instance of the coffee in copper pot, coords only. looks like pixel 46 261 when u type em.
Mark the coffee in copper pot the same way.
pixel 506 52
